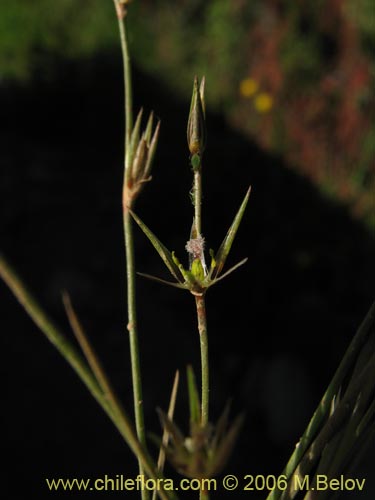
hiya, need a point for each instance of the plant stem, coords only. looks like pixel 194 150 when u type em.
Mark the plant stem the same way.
pixel 204 495
pixel 202 328
pixel 121 14
pixel 129 243
pixel 198 201
pixel 200 300
pixel 132 327
pixel 201 312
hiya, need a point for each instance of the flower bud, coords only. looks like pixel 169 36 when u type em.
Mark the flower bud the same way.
pixel 196 129
pixel 139 157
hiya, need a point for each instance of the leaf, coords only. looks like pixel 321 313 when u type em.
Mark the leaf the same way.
pixel 164 253
pixel 226 245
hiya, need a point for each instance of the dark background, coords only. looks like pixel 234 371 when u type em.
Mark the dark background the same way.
pixel 278 327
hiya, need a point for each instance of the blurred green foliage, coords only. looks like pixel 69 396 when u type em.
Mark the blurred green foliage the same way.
pixel 186 38
pixel 308 68
pixel 363 14
pixel 31 31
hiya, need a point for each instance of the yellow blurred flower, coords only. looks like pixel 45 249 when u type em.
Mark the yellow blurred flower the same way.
pixel 263 102
pixel 248 87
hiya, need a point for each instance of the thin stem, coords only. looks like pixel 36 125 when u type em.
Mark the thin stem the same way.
pixel 132 327
pixel 198 201
pixel 201 312
pixel 202 328
pixel 121 15
pixel 129 244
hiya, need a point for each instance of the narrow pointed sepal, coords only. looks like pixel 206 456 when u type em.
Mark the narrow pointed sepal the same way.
pixel 133 144
pixel 151 152
pixel 201 93
pixel 226 245
pixel 148 131
pixel 162 250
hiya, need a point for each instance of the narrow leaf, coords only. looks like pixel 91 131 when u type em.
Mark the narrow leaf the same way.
pixel 164 253
pixel 225 246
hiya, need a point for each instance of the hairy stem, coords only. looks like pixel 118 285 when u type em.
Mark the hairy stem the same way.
pixel 198 201
pixel 202 328
pixel 201 311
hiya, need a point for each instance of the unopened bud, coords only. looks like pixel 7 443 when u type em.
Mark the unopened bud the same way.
pixel 196 129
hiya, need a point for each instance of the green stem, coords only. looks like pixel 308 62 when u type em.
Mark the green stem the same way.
pixel 129 244
pixel 121 15
pixel 132 327
pixel 201 311
pixel 198 200
pixel 202 328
